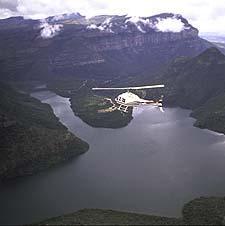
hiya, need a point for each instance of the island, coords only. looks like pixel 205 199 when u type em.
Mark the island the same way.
pixel 91 107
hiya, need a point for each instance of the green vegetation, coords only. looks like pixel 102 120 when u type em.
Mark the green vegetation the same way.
pixel 197 84
pixel 109 217
pixel 191 82
pixel 70 87
pixel 25 110
pixel 204 211
pixel 201 211
pixel 32 138
pixel 89 106
pixel 194 83
pixel 211 115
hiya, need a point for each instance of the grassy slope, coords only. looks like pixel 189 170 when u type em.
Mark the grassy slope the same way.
pixel 200 211
pixel 204 211
pixel 211 115
pixel 109 217
pixel 192 82
pixel 32 138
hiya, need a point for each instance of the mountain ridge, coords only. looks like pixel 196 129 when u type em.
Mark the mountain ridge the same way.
pixel 67 48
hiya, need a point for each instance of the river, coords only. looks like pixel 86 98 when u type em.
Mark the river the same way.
pixel 154 165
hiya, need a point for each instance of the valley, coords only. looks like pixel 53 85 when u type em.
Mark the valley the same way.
pixel 192 83
pixel 124 169
pixel 84 160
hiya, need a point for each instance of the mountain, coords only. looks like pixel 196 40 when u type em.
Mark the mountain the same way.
pixel 213 37
pixel 191 82
pixel 32 138
pixel 216 39
pixel 115 50
pixel 196 83
pixel 103 47
pixel 211 115
pixel 220 46
pixel 67 18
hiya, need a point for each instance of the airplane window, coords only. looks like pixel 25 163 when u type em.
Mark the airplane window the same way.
pixel 123 100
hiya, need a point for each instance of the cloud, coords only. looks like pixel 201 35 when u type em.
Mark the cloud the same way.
pixel 170 24
pixel 49 31
pixel 9 5
pixel 5 13
pixel 206 15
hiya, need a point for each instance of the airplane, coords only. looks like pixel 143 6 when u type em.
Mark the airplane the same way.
pixel 128 99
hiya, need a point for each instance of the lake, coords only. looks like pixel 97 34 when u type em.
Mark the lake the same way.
pixel 154 165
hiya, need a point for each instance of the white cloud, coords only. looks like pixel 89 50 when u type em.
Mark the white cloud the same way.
pixel 170 24
pixel 206 15
pixel 104 26
pixel 4 13
pixel 92 26
pixel 137 21
pixel 49 31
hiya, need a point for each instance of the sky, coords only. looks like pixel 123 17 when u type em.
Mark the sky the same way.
pixel 206 15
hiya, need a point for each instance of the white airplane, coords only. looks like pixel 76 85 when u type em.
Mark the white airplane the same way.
pixel 129 99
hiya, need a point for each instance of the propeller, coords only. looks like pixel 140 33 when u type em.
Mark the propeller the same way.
pixel 130 88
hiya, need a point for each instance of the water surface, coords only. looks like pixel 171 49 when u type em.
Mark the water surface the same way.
pixel 154 165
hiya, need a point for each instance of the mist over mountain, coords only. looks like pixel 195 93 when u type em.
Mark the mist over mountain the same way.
pixel 213 37
pixel 101 47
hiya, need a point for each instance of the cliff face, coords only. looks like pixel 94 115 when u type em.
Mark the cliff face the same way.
pixel 99 47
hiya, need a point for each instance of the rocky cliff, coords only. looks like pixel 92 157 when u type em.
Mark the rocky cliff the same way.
pixel 100 47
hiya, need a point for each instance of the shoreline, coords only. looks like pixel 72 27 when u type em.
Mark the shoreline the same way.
pixel 199 211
